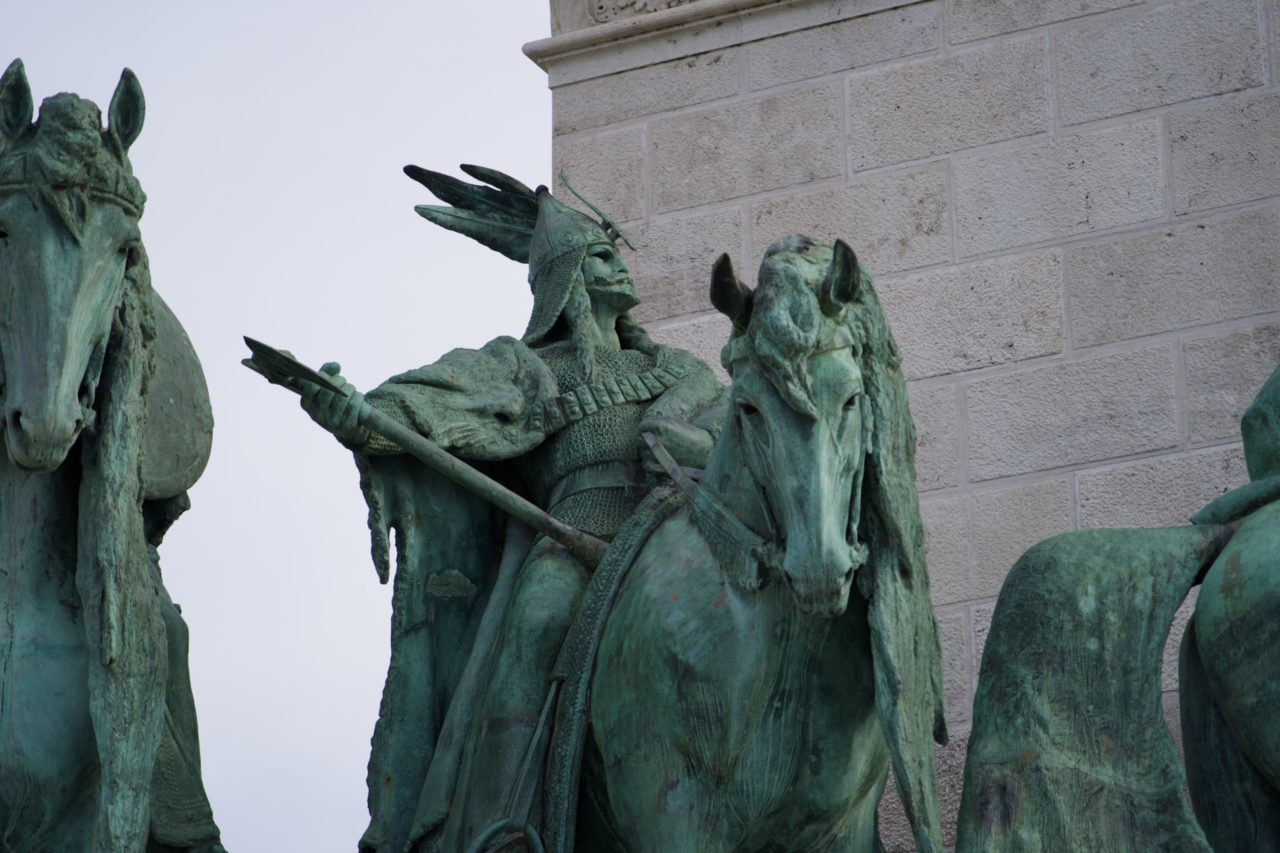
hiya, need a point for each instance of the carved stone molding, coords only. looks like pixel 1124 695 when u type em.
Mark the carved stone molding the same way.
pixel 603 11
pixel 594 38
pixel 570 15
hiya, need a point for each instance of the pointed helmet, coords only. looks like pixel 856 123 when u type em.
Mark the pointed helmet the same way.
pixel 529 226
pixel 561 239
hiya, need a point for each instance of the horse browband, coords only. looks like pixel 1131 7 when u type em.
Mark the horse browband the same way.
pixel 17 175
pixel 833 337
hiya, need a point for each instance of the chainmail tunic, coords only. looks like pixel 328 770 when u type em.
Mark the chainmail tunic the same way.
pixel 605 436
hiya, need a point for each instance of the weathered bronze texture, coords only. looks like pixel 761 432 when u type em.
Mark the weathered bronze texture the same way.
pixel 106 425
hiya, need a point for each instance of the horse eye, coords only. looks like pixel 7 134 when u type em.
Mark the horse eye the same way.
pixel 851 403
pixel 748 409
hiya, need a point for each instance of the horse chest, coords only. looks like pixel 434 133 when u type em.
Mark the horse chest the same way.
pixel 790 720
pixel 46 738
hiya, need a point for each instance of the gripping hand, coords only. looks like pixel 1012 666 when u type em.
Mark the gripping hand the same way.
pixel 337 413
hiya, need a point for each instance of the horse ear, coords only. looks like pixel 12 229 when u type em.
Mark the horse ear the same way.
pixel 840 287
pixel 730 296
pixel 124 118
pixel 16 107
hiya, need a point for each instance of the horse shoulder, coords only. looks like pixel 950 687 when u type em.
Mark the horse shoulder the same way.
pixel 678 599
pixel 179 432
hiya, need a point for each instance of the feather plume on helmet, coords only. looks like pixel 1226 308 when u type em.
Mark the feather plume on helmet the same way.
pixel 528 226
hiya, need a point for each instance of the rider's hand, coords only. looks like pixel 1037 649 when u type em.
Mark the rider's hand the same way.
pixel 689 445
pixel 338 414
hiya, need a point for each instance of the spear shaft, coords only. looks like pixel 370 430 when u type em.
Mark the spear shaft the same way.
pixel 282 369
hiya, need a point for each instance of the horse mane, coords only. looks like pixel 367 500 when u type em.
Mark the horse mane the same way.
pixel 904 637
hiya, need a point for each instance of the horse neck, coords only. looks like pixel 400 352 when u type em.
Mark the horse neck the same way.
pixel 730 481
pixel 38 517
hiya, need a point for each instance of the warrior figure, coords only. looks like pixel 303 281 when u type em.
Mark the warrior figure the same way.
pixel 557 415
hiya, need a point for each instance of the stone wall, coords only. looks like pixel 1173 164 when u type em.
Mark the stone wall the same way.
pixel 1072 211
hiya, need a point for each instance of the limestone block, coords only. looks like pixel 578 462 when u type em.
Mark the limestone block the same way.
pixel 1224 373
pixel 971 541
pixel 982 614
pixel 704 335
pixel 606 167
pixel 895 831
pixel 1172 53
pixel 1160 492
pixel 673 258
pixel 970 98
pixel 1060 188
pixel 943 320
pixel 1173 720
pixel 893 222
pixel 1174 277
pixel 953 633
pixel 1006 522
pixel 743 148
pixel 1226 153
pixel 947 550
pixel 975 19
pixel 936 415
pixel 1273 17
pixel 1169 663
pixel 852 43
pixel 645 91
pixel 1066 414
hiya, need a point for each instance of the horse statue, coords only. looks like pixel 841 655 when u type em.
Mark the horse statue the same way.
pixel 1069 750
pixel 763 640
pixel 106 424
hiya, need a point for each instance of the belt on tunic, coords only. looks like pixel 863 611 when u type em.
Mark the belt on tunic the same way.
pixel 603 475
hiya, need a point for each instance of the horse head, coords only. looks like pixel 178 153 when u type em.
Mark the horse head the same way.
pixel 798 414
pixel 69 242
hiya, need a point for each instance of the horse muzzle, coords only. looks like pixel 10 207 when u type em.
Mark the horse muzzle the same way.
pixel 39 444
pixel 823 594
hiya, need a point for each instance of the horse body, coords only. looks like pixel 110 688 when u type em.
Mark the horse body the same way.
pixel 734 696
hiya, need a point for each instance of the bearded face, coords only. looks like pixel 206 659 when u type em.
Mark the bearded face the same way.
pixel 607 279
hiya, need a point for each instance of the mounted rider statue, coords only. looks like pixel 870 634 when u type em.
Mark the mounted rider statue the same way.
pixel 556 415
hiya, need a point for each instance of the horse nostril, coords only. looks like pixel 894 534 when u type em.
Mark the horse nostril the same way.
pixel 14 422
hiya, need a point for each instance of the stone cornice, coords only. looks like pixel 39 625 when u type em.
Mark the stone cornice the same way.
pixel 684 30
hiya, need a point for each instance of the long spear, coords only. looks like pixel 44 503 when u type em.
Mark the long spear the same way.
pixel 282 369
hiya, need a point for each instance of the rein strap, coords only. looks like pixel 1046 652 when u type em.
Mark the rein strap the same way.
pixel 742 551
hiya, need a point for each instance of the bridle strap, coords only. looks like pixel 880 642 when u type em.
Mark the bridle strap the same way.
pixel 738 548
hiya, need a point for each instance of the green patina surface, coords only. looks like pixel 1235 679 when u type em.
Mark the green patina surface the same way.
pixel 1069 749
pixel 106 424
pixel 805 692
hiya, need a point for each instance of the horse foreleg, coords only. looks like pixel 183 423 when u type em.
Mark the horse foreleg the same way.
pixel 661 805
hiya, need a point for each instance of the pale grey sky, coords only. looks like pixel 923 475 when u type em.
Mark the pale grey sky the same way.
pixel 271 156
